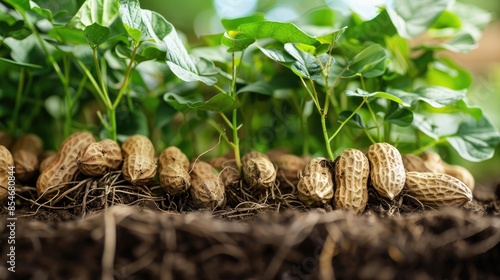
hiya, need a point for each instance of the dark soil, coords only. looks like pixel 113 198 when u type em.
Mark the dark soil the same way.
pixel 165 238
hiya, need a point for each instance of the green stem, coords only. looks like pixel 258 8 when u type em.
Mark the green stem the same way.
pixel 100 78
pixel 126 78
pixel 347 120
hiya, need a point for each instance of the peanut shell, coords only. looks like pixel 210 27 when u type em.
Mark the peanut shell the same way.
pixel 351 180
pixel 315 187
pixel 207 190
pixel 98 158
pixel 387 171
pixel 258 171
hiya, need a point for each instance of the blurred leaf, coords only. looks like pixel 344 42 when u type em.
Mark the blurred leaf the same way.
pixel 446 73
pixel 475 140
pixel 371 62
pixel 103 12
pixel 283 32
pixel 21 5
pixel 131 15
pixel 447 19
pixel 219 103
pixel 373 30
pixel 412 18
pixel 435 96
pixel 68 35
pixel 356 121
pixel 96 34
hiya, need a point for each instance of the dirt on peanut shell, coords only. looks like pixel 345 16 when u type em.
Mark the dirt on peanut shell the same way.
pixel 152 238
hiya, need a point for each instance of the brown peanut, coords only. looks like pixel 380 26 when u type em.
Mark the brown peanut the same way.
pixel 414 163
pixel 387 171
pixel 173 168
pixel 461 174
pixel 98 158
pixel 351 180
pixel 64 167
pixel 25 152
pixel 433 162
pixel 46 162
pixel 289 167
pixel 258 171
pixel 436 189
pixel 315 186
pixel 139 165
pixel 207 190
pixel 6 162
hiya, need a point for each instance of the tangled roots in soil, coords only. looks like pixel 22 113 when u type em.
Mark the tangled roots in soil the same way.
pixel 123 241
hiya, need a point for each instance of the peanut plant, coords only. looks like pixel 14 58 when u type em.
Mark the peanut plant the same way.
pixel 320 84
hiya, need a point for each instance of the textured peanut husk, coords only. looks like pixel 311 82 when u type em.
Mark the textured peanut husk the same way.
pixel 26 164
pixel 6 161
pixel 437 189
pixel 207 189
pixel 173 168
pixel 98 158
pixel 315 187
pixel 139 169
pixel 387 171
pixel 351 181
pixel 64 167
pixel 461 173
pixel 288 165
pixel 138 144
pixel 25 152
pixel 46 162
pixel 258 171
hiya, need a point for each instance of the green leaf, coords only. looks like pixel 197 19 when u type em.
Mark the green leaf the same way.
pixel 398 115
pixel 156 25
pixel 356 121
pixel 96 34
pixel 435 96
pixel 371 62
pixel 219 103
pixel 181 64
pixel 103 12
pixel 412 18
pixel 331 38
pixel 68 35
pixel 380 94
pixel 475 140
pixel 236 41
pixel 283 32
pixel 279 56
pixel 305 65
pixel 45 13
pixel 373 30
pixel 232 24
pixel 131 15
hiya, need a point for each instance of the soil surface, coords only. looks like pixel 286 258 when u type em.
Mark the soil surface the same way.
pixel 122 234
